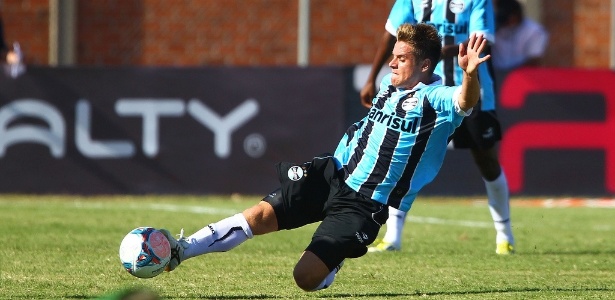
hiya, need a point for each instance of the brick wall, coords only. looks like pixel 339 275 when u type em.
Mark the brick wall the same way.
pixel 580 32
pixel 27 22
pixel 346 32
pixel 592 33
pixel 230 32
pixel 263 32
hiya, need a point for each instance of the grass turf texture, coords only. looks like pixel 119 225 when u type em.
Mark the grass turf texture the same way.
pixel 66 247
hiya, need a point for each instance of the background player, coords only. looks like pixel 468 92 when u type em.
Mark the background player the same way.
pixel 520 41
pixel 456 20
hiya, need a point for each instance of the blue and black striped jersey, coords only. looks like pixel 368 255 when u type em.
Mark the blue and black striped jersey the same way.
pixel 455 21
pixel 399 146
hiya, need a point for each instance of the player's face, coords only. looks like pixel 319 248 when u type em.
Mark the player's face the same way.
pixel 406 69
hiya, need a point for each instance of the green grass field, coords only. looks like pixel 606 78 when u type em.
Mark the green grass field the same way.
pixel 66 247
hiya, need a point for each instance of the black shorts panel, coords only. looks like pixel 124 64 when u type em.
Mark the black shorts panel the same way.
pixel 480 130
pixel 305 189
pixel 352 223
pixel 315 191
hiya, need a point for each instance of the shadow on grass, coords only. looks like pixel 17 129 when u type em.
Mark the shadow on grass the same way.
pixel 585 252
pixel 406 295
pixel 232 297
pixel 383 295
pixel 496 291
pixel 227 297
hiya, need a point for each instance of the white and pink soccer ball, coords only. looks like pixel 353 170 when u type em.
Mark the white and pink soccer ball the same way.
pixel 145 252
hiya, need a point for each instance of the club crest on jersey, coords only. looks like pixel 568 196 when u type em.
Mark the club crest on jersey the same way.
pixel 409 104
pixel 456 6
pixel 295 173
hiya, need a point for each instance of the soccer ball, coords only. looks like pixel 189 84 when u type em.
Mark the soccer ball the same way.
pixel 145 252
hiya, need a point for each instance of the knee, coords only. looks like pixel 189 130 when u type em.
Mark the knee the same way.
pixel 305 279
pixel 310 271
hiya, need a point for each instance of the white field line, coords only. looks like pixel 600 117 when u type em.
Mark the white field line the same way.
pixel 546 203
pixel 559 202
pixel 569 202
pixel 163 207
pixel 218 211
pixel 431 220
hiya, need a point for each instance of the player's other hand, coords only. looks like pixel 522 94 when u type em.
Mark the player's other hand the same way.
pixel 469 56
pixel 367 94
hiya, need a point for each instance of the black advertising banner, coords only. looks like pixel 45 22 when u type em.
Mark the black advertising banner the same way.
pixel 163 130
pixel 560 131
pixel 221 130
pixel 558 137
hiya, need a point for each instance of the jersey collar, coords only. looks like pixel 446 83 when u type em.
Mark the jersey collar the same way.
pixel 435 80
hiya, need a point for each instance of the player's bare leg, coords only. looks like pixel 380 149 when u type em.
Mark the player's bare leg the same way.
pixel 261 218
pixel 311 273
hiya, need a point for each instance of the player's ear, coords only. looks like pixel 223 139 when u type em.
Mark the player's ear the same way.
pixel 426 64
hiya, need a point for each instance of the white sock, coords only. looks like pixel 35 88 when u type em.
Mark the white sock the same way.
pixel 499 206
pixel 221 236
pixel 395 226
pixel 328 281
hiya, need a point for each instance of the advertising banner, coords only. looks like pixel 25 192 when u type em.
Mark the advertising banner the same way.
pixel 221 130
pixel 163 130
pixel 560 131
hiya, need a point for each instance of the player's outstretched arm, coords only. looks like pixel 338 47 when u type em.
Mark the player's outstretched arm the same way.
pixel 469 59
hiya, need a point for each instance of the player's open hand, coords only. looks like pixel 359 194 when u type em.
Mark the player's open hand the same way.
pixel 469 56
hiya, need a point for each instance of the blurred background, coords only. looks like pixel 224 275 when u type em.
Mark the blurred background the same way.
pixel 259 32
pixel 204 96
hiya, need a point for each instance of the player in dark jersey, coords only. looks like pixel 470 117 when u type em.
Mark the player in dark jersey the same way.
pixel 382 160
pixel 455 20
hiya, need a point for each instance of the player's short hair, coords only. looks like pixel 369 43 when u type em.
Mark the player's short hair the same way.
pixel 505 9
pixel 424 39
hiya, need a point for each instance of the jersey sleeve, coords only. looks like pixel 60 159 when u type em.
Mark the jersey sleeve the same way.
pixel 444 99
pixel 402 12
pixel 458 109
pixel 482 19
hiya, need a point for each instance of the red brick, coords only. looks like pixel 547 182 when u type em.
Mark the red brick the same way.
pixel 264 32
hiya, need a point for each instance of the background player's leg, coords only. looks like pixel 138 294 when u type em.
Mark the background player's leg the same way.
pixel 498 197
pixel 393 235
